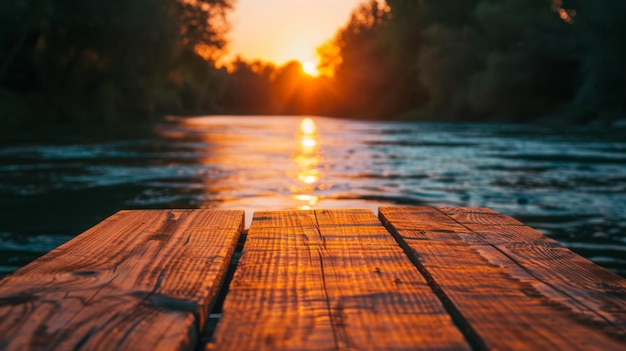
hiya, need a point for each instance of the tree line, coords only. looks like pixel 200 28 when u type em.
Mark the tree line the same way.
pixel 511 60
pixel 469 60
pixel 97 60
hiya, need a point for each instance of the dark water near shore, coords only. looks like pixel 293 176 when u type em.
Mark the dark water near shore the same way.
pixel 570 185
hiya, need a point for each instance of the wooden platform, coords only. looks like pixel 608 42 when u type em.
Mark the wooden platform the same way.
pixel 413 278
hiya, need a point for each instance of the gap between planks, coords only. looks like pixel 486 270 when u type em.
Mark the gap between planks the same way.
pixel 139 280
pixel 522 302
pixel 594 314
pixel 453 251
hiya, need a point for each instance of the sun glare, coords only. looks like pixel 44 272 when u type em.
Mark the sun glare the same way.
pixel 307 160
pixel 307 126
pixel 309 68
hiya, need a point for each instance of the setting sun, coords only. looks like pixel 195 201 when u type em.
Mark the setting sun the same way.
pixel 309 68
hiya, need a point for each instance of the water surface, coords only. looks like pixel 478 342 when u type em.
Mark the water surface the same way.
pixel 570 185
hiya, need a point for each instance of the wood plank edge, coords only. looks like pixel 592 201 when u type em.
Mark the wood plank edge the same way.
pixel 472 337
pixel 208 328
pixel 240 233
pixel 560 298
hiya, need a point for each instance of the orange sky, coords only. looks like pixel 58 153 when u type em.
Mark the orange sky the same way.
pixel 283 30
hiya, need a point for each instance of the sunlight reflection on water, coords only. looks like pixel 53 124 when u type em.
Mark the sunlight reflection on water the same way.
pixel 307 161
pixel 280 164
pixel 570 185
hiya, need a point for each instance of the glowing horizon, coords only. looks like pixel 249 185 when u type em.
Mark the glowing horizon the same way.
pixel 279 31
pixel 310 68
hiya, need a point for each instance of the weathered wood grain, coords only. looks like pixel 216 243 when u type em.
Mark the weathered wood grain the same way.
pixel 329 280
pixel 560 274
pixel 139 280
pixel 507 302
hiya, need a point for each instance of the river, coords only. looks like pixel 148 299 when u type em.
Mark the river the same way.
pixel 571 185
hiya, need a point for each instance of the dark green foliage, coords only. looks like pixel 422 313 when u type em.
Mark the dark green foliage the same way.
pixel 601 28
pixel 513 60
pixel 499 60
pixel 363 69
pixel 96 60
pixel 249 88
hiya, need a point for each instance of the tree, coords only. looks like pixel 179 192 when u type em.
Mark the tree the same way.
pixel 106 58
pixel 600 29
pixel 249 88
pixel 357 57
pixel 504 60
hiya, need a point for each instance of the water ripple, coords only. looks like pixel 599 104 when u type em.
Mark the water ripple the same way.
pixel 570 185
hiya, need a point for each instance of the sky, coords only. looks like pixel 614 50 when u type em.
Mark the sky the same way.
pixel 282 30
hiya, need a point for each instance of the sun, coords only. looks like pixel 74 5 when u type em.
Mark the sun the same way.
pixel 309 68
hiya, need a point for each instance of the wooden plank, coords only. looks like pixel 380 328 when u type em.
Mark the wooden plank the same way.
pixel 329 279
pixel 139 280
pixel 483 287
pixel 562 275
